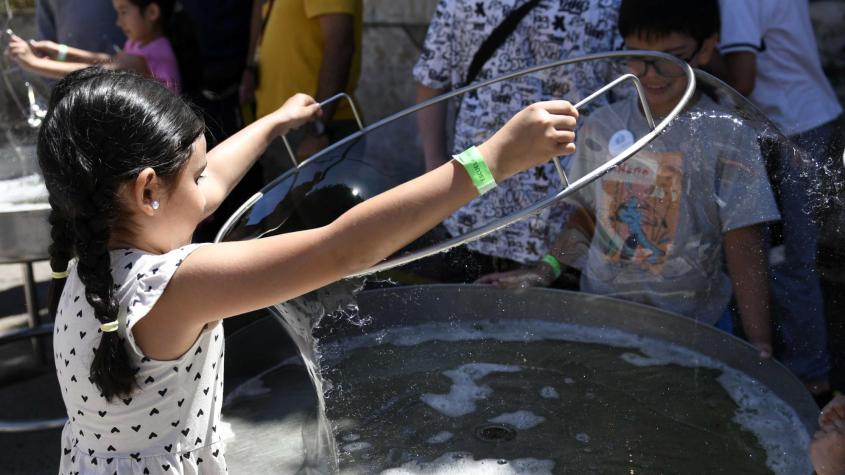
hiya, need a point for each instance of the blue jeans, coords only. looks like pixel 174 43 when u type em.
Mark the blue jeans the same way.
pixel 798 313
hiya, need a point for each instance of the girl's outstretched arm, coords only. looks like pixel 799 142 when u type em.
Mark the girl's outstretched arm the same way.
pixel 226 279
pixel 21 52
pixel 229 161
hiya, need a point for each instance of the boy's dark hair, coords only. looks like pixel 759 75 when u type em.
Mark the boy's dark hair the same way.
pixel 101 130
pixel 179 30
pixel 654 19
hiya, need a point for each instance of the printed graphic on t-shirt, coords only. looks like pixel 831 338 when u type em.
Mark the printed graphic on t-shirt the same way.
pixel 641 208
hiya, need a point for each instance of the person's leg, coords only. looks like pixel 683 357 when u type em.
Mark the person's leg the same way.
pixel 796 289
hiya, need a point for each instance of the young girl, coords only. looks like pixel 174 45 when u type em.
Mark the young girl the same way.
pixel 160 43
pixel 138 341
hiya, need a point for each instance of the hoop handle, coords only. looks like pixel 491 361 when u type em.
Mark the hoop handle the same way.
pixel 323 104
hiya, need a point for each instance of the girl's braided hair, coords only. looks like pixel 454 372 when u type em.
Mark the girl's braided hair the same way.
pixel 102 129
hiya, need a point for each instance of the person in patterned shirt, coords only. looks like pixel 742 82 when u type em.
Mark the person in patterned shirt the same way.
pixel 551 31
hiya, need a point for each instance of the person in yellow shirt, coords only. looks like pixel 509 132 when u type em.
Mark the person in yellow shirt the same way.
pixel 308 46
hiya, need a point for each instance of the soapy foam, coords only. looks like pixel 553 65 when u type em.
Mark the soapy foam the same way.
pixel 549 392
pixel 457 463
pixel 520 420
pixel 440 437
pixel 461 398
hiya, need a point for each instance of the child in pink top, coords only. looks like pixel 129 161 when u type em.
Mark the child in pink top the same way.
pixel 160 44
pixel 161 60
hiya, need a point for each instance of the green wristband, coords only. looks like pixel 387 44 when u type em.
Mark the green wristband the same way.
pixel 477 169
pixel 554 264
pixel 61 55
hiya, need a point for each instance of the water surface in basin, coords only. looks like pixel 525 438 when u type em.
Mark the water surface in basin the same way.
pixel 486 398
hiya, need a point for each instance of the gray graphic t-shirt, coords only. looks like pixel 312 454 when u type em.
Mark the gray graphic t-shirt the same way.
pixel 660 217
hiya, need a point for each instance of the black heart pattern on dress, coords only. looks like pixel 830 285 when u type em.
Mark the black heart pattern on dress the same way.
pixel 154 412
pixel 127 401
pixel 174 424
pixel 81 334
pixel 198 441
pixel 200 413
pixel 168 447
pixel 197 377
pixel 185 432
pixel 163 392
pixel 136 428
pixel 205 391
pixel 115 430
pixel 102 413
pixel 149 380
pixel 152 435
pixel 136 456
pixel 180 402
pixel 111 448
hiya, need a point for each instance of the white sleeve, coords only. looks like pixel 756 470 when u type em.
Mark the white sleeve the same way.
pixel 742 26
pixel 144 278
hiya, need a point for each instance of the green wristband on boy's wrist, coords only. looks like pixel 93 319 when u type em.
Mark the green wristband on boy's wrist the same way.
pixel 477 169
pixel 554 264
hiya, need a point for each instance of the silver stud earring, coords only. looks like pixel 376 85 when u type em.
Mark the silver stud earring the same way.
pixel 155 204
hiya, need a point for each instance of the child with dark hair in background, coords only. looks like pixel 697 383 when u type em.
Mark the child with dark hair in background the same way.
pixel 677 226
pixel 160 43
pixel 138 344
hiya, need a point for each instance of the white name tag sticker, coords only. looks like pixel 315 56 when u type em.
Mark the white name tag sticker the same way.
pixel 621 140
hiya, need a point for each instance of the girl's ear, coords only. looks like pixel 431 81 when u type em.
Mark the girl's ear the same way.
pixel 145 190
pixel 152 12
pixel 707 49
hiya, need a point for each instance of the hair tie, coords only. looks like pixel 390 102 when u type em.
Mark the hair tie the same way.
pixel 59 275
pixel 109 327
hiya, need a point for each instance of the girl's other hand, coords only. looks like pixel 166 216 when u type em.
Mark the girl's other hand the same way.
pixel 533 136
pixel 20 51
pixel 298 110
pixel 519 279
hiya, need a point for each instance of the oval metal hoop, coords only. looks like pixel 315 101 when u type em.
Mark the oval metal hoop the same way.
pixel 569 188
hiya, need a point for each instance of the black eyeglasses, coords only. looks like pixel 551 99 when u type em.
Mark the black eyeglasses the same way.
pixel 663 67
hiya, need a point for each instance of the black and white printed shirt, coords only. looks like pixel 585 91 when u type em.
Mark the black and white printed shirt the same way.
pixel 553 30
pixel 170 424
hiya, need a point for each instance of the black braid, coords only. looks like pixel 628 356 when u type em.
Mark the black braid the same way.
pixel 111 369
pixel 61 252
pixel 102 129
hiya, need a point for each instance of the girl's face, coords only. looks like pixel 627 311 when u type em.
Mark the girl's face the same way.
pixel 183 206
pixel 162 215
pixel 137 25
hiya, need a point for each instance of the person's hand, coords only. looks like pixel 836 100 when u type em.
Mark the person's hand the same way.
pixel 540 276
pixel 533 136
pixel 20 51
pixel 827 450
pixel 298 110
pixel 833 411
pixel 45 48
pixel 311 144
pixel 246 91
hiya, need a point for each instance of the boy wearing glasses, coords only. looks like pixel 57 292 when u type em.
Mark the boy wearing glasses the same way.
pixel 663 228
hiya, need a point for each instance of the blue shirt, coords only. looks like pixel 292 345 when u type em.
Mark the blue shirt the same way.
pixel 85 24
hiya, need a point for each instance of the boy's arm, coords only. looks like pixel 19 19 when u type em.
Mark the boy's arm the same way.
pixel 432 124
pixel 740 71
pixel 747 267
